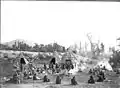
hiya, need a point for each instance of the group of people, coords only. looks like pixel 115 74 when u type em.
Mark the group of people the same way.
pixel 58 79
pixel 96 73
pixel 56 68
pixel 16 78
pixel 33 73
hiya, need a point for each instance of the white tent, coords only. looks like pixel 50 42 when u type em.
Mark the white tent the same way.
pixel 24 59
pixel 78 61
pixel 57 57
pixel 105 63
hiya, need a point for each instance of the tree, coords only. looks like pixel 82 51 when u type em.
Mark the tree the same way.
pixel 115 59
pixel 94 47
pixel 91 43
pixel 36 47
pixel 49 48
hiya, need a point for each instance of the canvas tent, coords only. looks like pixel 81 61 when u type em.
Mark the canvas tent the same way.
pixel 78 61
pixel 20 60
pixel 56 57
pixel 23 60
pixel 105 63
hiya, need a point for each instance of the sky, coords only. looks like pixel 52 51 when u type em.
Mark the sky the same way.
pixel 64 22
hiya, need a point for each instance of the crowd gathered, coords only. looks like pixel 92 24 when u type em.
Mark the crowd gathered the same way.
pixel 95 74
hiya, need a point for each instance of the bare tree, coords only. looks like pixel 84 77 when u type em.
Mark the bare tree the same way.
pixel 94 46
pixel 91 43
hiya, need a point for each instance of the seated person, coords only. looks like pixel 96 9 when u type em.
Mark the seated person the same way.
pixel 102 74
pixel 29 75
pixel 100 78
pixel 16 78
pixel 91 80
pixel 35 77
pixel 25 74
pixel 57 70
pixel 117 72
pixel 72 67
pixel 58 80
pixel 73 81
pixel 56 66
pixel 38 70
pixel 104 68
pixel 90 71
pixel 45 79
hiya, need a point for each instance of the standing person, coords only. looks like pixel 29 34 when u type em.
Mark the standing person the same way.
pixel 53 69
pixel 45 67
pixel 57 68
pixel 15 78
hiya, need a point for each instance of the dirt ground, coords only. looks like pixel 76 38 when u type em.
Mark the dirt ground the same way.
pixel 53 85
pixel 81 79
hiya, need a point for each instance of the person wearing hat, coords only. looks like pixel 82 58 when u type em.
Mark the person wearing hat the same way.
pixel 73 81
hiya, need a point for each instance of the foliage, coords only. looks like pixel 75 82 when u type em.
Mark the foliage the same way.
pixel 96 49
pixel 115 59
pixel 21 46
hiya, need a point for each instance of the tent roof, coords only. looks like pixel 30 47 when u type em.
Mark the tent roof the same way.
pixel 106 64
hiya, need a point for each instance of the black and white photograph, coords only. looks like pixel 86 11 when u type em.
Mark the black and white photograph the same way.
pixel 60 44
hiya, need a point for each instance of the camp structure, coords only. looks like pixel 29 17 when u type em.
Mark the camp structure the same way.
pixel 79 62
pixel 104 63
pixel 56 58
pixel 43 58
pixel 20 61
pixel 23 60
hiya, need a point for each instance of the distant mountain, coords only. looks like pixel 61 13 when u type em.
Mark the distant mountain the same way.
pixel 17 41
